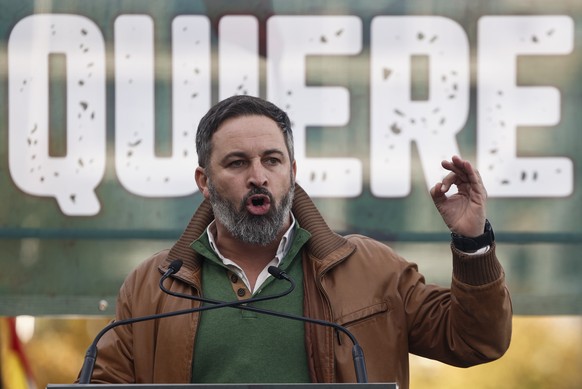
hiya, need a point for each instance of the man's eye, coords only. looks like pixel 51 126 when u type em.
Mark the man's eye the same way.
pixel 273 161
pixel 237 163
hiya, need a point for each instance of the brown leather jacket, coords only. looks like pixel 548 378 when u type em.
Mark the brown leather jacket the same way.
pixel 354 281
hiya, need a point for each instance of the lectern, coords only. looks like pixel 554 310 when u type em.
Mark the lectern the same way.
pixel 380 385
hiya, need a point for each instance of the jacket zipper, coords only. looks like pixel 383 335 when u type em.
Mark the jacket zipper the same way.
pixel 326 297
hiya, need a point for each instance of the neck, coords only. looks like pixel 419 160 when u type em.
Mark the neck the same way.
pixel 252 258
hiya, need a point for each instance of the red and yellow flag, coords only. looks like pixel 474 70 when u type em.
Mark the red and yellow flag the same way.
pixel 15 372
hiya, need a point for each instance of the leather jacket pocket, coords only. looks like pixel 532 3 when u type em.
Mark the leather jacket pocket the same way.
pixel 364 314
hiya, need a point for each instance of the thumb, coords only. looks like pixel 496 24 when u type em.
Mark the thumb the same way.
pixel 437 193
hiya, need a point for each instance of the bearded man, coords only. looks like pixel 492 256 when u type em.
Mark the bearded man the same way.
pixel 254 216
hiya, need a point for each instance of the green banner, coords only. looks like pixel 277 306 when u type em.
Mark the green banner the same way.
pixel 100 101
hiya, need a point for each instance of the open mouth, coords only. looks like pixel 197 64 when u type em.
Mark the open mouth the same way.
pixel 258 204
pixel 258 201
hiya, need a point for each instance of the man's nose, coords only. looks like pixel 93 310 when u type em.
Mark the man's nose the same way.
pixel 257 174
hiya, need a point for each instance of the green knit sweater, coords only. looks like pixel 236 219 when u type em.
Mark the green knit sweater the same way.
pixel 238 346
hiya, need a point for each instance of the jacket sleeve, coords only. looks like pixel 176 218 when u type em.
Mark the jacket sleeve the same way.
pixel 117 351
pixel 114 363
pixel 466 324
pixel 150 351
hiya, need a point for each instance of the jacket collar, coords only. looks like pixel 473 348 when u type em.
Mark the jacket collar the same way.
pixel 325 246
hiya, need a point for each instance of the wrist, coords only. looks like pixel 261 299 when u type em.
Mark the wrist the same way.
pixel 467 244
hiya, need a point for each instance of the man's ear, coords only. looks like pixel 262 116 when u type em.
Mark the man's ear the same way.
pixel 202 181
pixel 294 169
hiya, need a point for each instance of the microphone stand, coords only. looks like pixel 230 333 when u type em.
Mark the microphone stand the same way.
pixel 91 354
pixel 357 351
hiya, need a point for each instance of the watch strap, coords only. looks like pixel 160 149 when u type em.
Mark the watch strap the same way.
pixel 467 244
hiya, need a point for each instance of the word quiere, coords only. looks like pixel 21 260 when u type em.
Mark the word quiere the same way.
pixel 396 119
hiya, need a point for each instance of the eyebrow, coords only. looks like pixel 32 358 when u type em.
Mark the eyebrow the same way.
pixel 242 154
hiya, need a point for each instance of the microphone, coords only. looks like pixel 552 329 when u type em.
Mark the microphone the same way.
pixel 357 351
pixel 273 270
pixel 91 354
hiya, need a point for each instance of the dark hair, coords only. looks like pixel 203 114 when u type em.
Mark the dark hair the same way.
pixel 236 106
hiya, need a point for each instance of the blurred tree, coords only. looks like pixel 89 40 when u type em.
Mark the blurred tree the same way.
pixel 58 347
pixel 545 352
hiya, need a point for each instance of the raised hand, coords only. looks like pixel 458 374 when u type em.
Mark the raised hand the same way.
pixel 463 212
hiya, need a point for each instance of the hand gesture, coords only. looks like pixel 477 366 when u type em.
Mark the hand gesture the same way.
pixel 464 211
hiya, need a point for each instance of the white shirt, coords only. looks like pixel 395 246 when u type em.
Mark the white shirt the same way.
pixel 282 250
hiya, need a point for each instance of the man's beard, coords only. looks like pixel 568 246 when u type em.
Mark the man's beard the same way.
pixel 253 229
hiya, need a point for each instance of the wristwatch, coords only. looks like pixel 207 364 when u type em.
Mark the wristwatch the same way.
pixel 466 244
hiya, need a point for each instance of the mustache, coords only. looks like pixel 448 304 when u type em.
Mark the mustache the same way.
pixel 257 191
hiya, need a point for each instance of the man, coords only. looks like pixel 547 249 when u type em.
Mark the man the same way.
pixel 255 216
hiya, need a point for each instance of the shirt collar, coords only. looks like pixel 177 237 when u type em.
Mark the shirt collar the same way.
pixel 282 250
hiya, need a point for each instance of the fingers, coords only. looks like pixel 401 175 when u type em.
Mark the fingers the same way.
pixel 457 165
pixel 464 211
pixel 461 171
pixel 464 176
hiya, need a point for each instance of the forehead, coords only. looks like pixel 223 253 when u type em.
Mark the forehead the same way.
pixel 248 133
